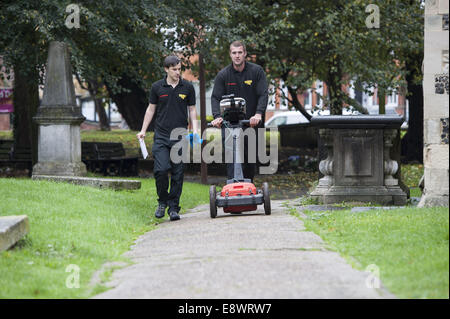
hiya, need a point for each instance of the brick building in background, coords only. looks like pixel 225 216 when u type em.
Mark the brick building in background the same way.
pixel 6 104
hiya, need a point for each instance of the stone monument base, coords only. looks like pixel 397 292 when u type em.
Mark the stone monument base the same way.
pixel 433 200
pixel 59 168
pixel 374 194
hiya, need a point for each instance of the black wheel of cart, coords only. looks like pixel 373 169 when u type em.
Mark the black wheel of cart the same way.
pixel 212 201
pixel 266 196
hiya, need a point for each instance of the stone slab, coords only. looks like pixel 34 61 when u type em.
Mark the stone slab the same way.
pixel 435 65
pixel 433 22
pixel 436 181
pixel 12 229
pixel 436 105
pixel 321 208
pixel 363 209
pixel 116 184
pixel 374 194
pixel 436 156
pixel 443 7
pixel 59 168
pixel 432 7
pixel 59 143
pixel 432 131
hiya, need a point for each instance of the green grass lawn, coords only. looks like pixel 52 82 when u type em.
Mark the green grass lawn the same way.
pixel 87 227
pixel 411 174
pixel 409 246
pixel 77 225
pixel 6 135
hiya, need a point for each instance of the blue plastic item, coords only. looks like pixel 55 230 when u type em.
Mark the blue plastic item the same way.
pixel 194 138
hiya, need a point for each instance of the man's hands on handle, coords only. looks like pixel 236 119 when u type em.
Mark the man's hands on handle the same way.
pixel 217 122
pixel 140 135
pixel 254 120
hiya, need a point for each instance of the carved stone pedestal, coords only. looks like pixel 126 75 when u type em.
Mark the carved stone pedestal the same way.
pixel 358 166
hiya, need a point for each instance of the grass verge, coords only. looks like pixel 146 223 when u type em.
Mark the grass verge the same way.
pixel 410 246
pixel 74 225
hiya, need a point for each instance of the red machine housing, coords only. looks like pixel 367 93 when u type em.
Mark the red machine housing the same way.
pixel 239 189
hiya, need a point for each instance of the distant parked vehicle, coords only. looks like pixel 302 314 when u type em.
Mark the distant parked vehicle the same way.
pixel 288 117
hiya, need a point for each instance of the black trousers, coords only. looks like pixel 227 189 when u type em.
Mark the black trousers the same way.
pixel 162 166
pixel 248 168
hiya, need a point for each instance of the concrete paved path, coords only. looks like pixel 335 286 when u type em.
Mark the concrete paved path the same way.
pixel 237 256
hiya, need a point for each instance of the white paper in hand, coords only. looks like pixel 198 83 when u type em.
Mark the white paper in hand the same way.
pixel 143 148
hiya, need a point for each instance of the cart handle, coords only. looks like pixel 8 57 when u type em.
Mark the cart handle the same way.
pixel 242 122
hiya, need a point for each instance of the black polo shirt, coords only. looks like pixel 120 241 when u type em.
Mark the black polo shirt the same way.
pixel 250 84
pixel 171 105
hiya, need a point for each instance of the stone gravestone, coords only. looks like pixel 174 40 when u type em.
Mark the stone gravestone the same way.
pixel 59 119
pixel 435 87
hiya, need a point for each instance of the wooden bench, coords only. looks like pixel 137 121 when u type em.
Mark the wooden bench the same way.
pixel 108 159
pixel 5 150
pixel 15 159
pixel 99 157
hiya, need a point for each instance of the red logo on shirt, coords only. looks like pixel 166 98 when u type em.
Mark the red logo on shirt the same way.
pixel 232 83
pixel 164 95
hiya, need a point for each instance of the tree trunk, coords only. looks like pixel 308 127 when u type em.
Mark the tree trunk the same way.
pixel 381 101
pixel 131 105
pixel 103 119
pixel 412 142
pixel 335 97
pixel 335 92
pixel 26 103
pixel 203 166
pixel 296 103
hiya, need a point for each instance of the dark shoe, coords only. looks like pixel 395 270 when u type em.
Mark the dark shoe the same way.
pixel 159 213
pixel 174 215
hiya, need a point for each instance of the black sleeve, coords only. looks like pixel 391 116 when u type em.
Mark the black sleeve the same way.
pixel 153 95
pixel 217 93
pixel 191 97
pixel 262 92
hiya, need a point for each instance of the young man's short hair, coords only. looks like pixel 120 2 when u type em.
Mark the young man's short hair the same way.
pixel 238 44
pixel 171 60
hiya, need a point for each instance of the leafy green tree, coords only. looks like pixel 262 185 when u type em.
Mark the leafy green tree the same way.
pixel 118 44
pixel 121 45
pixel 302 41
pixel 115 41
pixel 204 28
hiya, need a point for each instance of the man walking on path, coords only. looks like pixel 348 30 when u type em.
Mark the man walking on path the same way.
pixel 170 98
pixel 246 80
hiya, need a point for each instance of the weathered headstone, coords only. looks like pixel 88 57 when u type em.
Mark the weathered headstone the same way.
pixel 59 119
pixel 359 166
pixel 435 87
